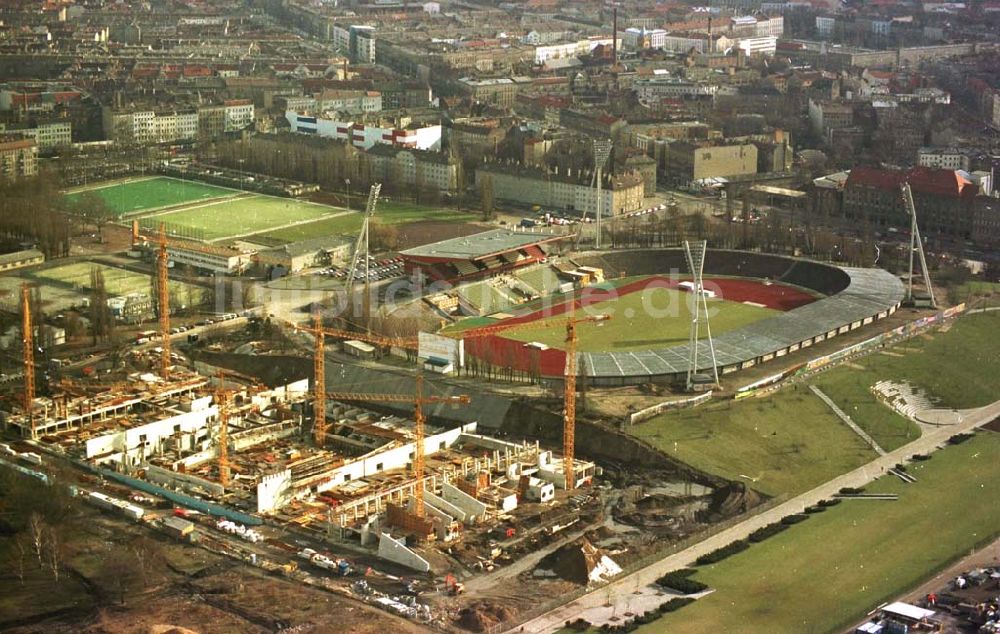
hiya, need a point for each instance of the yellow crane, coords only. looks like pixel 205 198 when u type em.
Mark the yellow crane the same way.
pixel 569 392
pixel 222 400
pixel 319 364
pixel 28 354
pixel 419 400
pixel 163 301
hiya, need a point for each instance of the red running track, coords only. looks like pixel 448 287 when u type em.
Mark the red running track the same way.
pixel 502 352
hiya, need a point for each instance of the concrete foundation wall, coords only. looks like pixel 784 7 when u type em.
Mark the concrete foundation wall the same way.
pixel 183 481
pixel 274 491
pixel 446 507
pixel 395 550
pixel 396 458
pixel 473 508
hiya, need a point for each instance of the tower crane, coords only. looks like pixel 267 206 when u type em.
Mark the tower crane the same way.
pixel 28 354
pixel 319 365
pixel 419 400
pixel 569 393
pixel 163 301
pixel 222 400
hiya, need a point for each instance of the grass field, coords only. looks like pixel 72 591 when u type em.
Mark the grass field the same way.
pixel 791 441
pixel 349 224
pixel 75 278
pixel 960 368
pixel 785 444
pixel 826 573
pixel 256 214
pixel 153 193
pixel 650 318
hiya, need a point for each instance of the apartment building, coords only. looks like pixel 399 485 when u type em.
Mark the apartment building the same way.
pixel 421 169
pixel 18 156
pixel 48 135
pixel 566 191
pixel 365 135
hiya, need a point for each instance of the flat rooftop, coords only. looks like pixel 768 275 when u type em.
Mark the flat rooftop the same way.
pixel 480 245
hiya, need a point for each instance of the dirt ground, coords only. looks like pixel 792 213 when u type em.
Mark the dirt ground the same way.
pixel 419 233
pixel 187 588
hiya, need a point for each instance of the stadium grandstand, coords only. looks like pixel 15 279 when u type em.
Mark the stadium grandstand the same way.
pixel 849 298
pixel 481 255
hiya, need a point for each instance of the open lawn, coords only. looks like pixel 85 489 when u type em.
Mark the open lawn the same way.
pixel 226 219
pixel 655 317
pixel 75 278
pixel 960 368
pixel 829 571
pixel 785 444
pixel 152 193
pixel 350 223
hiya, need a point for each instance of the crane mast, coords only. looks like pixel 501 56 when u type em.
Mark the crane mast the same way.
pixel 319 382
pixel 419 419
pixel 28 354
pixel 163 302
pixel 222 400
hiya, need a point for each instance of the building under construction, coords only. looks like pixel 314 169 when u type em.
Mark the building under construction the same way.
pixel 251 448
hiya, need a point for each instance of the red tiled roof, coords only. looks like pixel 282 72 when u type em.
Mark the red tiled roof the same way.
pixel 926 180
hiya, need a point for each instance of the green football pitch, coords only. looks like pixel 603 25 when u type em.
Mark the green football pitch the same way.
pixel 244 216
pixel 653 317
pixel 148 194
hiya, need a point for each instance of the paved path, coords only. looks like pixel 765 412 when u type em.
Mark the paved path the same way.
pixel 847 420
pixel 620 593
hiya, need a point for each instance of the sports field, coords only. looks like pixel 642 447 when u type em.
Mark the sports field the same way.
pixel 829 571
pixel 229 218
pixel 72 281
pixel 135 196
pixel 349 223
pixel 642 317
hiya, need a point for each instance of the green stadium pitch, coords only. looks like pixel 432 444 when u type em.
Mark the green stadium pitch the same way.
pixel 142 195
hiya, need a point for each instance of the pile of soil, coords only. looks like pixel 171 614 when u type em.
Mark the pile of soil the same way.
pixel 483 615
pixel 573 562
pixel 732 499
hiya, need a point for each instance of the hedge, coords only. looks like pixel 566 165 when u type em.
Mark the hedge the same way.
pixel 681 583
pixel 794 519
pixel 719 554
pixel 763 533
pixel 958 439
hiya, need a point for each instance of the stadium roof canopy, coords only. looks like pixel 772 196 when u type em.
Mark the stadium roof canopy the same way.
pixel 480 245
pixel 870 292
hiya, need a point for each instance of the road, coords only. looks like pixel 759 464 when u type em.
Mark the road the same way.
pixel 599 605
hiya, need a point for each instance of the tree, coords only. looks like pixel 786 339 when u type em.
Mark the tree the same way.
pixel 100 314
pixel 119 571
pixel 37 529
pixel 53 550
pixel 96 210
pixel 384 237
pixel 488 197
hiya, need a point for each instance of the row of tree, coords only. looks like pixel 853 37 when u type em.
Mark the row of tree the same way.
pixel 31 210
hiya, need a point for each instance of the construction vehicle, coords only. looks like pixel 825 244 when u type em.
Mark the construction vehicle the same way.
pixel 570 375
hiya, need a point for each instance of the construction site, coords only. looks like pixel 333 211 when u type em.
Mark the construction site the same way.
pixel 338 456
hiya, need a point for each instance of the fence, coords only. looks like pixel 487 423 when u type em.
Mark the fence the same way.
pixel 659 408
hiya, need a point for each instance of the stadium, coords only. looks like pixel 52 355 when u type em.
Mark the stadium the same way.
pixel 762 307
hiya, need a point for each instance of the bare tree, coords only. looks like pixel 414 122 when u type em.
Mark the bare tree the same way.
pixel 18 553
pixel 37 528
pixel 54 550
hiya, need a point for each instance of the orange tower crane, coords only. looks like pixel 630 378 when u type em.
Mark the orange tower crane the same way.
pixel 569 393
pixel 163 301
pixel 319 365
pixel 28 354
pixel 419 400
pixel 222 400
